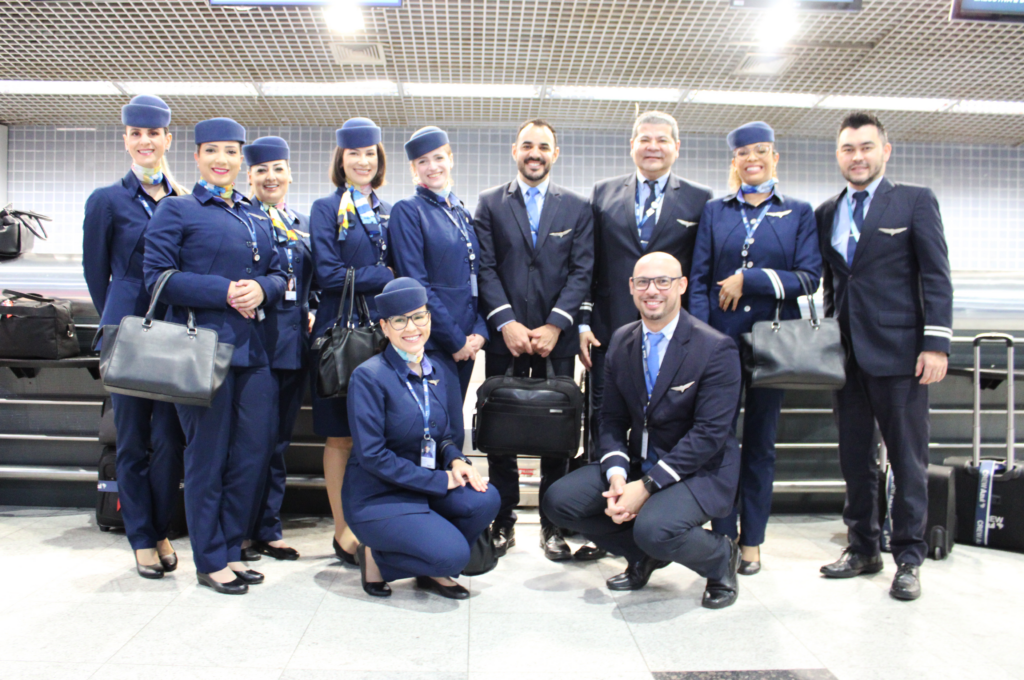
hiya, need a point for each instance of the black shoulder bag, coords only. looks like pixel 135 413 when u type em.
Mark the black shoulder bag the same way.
pixel 345 345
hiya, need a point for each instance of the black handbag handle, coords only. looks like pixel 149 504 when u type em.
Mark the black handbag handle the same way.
pixel 155 299
pixel 14 295
pixel 805 285
pixel 347 291
pixel 12 216
pixel 549 367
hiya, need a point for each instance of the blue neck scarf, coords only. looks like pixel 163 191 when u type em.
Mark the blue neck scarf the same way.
pixel 409 358
pixel 221 192
pixel 763 188
pixel 149 176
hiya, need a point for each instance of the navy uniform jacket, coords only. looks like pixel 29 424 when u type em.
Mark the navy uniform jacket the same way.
pixel 287 324
pixel 384 477
pixel 534 286
pixel 897 299
pixel 113 249
pixel 690 414
pixel 786 241
pixel 429 248
pixel 333 258
pixel 617 244
pixel 196 235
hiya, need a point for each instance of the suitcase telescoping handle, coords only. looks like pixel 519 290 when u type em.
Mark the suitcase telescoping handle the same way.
pixel 1010 430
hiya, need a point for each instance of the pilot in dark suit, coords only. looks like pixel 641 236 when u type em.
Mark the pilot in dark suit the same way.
pixel 887 281
pixel 536 258
pixel 669 461
pixel 643 212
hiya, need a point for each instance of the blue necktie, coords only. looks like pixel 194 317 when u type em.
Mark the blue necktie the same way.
pixel 653 361
pixel 858 219
pixel 532 212
pixel 647 226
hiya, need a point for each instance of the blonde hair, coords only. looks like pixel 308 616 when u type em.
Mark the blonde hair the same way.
pixel 412 164
pixel 166 169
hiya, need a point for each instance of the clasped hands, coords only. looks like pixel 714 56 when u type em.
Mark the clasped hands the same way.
pixel 474 343
pixel 463 473
pixel 245 296
pixel 521 340
pixel 624 500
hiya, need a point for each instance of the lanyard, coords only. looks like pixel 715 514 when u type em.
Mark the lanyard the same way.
pixel 465 234
pixel 248 225
pixel 424 407
pixel 854 231
pixel 145 204
pixel 378 238
pixel 750 226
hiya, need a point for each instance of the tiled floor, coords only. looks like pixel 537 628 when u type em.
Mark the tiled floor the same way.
pixel 71 606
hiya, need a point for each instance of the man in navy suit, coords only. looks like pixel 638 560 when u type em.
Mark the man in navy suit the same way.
pixel 536 259
pixel 643 212
pixel 887 281
pixel 669 461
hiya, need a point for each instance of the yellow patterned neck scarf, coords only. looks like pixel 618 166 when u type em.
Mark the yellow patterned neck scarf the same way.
pixel 277 219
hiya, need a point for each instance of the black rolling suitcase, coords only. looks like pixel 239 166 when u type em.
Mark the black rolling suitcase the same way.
pixel 108 504
pixel 990 493
pixel 941 528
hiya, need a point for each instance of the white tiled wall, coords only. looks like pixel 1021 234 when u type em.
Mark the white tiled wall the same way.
pixel 980 188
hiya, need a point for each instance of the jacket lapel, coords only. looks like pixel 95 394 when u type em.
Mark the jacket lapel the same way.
pixel 674 356
pixel 552 203
pixel 825 233
pixel 515 202
pixel 636 360
pixel 628 204
pixel 668 204
pixel 722 233
pixel 879 202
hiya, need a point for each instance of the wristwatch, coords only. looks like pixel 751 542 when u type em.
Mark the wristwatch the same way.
pixel 649 484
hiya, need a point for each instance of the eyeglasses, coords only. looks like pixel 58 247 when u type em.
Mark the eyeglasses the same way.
pixel 399 323
pixel 661 282
pixel 762 150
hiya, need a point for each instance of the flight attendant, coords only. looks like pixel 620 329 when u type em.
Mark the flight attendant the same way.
pixel 410 495
pixel 229 273
pixel 287 327
pixel 112 252
pixel 435 244
pixel 348 229
pixel 750 247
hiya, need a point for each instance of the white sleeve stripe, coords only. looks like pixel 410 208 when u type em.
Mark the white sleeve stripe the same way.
pixel 942 329
pixel 938 333
pixel 669 470
pixel 498 309
pixel 780 292
pixel 567 315
pixel 613 453
pixel 587 305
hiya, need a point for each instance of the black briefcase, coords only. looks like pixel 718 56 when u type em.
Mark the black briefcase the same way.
pixel 528 416
pixel 36 327
pixel 108 503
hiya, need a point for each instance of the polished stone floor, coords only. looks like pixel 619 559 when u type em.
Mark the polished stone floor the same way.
pixel 72 607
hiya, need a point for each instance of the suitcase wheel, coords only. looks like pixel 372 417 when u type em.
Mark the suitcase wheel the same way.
pixel 103 528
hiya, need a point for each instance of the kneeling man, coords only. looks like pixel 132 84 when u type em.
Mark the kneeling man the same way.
pixel 669 461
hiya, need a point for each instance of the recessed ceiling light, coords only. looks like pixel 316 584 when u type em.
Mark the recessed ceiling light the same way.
pixel 192 89
pixel 57 87
pixel 344 16
pixel 994 107
pixel 886 103
pixel 470 90
pixel 738 98
pixel 618 94
pixel 364 88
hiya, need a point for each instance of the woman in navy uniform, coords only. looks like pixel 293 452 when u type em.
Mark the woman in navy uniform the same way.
pixel 112 252
pixel 435 244
pixel 415 502
pixel 750 244
pixel 348 229
pixel 287 327
pixel 229 271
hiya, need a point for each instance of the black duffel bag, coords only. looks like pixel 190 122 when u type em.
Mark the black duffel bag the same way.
pixel 36 327
pixel 345 345
pixel 18 231
pixel 528 416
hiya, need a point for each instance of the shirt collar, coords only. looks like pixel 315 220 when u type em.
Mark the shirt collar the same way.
pixel 870 188
pixel 667 331
pixel 542 187
pixel 776 197
pixel 661 181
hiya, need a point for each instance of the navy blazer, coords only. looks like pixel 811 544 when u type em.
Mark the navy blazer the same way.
pixel 196 235
pixel 534 286
pixel 429 248
pixel 897 299
pixel 113 249
pixel 785 242
pixel 333 258
pixel 287 327
pixel 384 477
pixel 690 413
pixel 617 244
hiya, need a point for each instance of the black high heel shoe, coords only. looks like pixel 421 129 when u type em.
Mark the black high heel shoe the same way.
pixel 148 570
pixel 455 592
pixel 236 587
pixel 249 576
pixel 346 557
pixel 375 588
pixel 169 562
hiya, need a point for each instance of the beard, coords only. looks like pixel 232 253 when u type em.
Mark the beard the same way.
pixel 534 175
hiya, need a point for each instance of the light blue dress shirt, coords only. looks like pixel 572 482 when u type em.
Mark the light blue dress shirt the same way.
pixel 841 221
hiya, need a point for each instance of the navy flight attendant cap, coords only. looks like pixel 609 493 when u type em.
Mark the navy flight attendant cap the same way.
pixel 757 132
pixel 424 141
pixel 357 133
pixel 146 111
pixel 265 150
pixel 219 130
pixel 400 296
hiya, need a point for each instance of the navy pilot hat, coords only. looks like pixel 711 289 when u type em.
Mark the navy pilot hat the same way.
pixel 424 141
pixel 751 133
pixel 400 297
pixel 357 133
pixel 265 150
pixel 146 111
pixel 219 130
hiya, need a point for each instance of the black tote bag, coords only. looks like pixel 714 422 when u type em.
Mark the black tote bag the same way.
pixel 345 345
pixel 36 327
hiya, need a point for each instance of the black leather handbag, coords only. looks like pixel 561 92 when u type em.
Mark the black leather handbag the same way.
pixel 36 327
pixel 345 345
pixel 163 361
pixel 482 556
pixel 528 416
pixel 796 354
pixel 18 231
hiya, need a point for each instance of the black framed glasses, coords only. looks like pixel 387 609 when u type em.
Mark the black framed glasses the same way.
pixel 660 282
pixel 420 319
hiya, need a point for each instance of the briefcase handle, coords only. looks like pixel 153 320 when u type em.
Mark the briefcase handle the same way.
pixel 549 368
pixel 154 300
pixel 805 285
pixel 14 295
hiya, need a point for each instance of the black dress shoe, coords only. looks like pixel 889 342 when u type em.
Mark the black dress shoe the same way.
pixel 346 557
pixel 589 552
pixel 169 562
pixel 373 588
pixel 149 570
pixel 852 564
pixel 503 538
pixel 721 594
pixel 236 587
pixel 636 575
pixel 250 555
pixel 249 576
pixel 907 584
pixel 277 553
pixel 555 547
pixel 749 568
pixel 455 592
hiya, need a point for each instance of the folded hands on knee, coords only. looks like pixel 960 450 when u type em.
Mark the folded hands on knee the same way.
pixel 624 500
pixel 463 473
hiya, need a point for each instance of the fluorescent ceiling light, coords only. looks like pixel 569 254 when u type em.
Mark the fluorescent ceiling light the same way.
pixel 618 94
pixel 364 88
pixel 192 89
pixel 57 87
pixel 886 103
pixel 343 16
pixel 982 106
pixel 470 90
pixel 733 98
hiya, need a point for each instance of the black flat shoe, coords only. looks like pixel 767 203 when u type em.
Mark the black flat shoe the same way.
pixel 503 538
pixel 374 588
pixel 249 576
pixel 277 553
pixel 907 584
pixel 555 547
pixel 250 555
pixel 347 558
pixel 721 594
pixel 589 552
pixel 169 562
pixel 749 568
pixel 455 592
pixel 236 587
pixel 852 564
pixel 153 571
pixel 636 575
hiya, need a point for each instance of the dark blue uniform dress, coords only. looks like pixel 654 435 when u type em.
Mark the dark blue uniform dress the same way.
pixel 783 242
pixel 437 246
pixel 402 510
pixel 365 251
pixel 287 330
pixel 229 442
pixel 112 254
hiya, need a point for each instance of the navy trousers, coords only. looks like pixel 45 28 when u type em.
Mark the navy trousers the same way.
pixel 150 444
pixel 290 389
pixel 597 355
pixel 899 404
pixel 229 446
pixel 757 467
pixel 434 543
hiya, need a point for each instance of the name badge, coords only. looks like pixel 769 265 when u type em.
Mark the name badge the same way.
pixel 260 315
pixel 473 285
pixel 290 293
pixel 428 454
pixel 643 445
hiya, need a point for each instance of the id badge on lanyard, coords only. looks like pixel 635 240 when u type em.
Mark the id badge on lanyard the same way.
pixel 291 292
pixel 428 447
pixel 643 434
